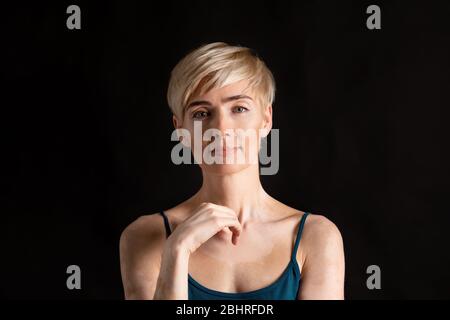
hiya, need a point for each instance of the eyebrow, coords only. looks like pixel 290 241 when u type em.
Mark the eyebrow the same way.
pixel 227 99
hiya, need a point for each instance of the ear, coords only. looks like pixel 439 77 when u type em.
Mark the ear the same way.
pixel 176 122
pixel 177 125
pixel 267 120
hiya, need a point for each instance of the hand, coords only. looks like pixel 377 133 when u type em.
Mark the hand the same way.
pixel 206 221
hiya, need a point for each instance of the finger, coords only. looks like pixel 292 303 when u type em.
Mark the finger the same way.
pixel 220 208
pixel 236 229
pixel 234 239
pixel 235 233
pixel 232 223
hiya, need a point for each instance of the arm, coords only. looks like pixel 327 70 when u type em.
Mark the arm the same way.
pixel 323 270
pixel 152 267
pixel 172 282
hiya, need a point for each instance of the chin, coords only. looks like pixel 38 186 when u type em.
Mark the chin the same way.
pixel 223 169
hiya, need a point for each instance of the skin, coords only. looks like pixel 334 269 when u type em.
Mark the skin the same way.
pixel 230 236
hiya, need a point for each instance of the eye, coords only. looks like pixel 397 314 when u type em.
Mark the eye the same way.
pixel 240 109
pixel 198 115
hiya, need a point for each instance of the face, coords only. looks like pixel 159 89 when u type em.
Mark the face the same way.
pixel 232 122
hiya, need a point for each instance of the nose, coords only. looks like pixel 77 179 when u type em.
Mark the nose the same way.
pixel 224 124
pixel 221 121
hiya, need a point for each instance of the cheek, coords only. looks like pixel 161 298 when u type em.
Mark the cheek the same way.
pixel 257 124
pixel 253 120
pixel 252 126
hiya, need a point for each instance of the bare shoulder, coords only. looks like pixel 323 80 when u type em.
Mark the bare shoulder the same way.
pixel 141 244
pixel 323 266
pixel 319 227
pixel 144 228
pixel 320 233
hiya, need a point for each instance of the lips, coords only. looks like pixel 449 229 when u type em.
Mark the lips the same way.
pixel 226 150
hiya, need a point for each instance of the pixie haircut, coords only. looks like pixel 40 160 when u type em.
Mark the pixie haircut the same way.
pixel 216 65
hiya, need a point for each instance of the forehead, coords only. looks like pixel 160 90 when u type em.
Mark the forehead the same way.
pixel 237 88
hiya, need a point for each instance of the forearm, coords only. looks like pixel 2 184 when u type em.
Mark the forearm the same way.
pixel 172 283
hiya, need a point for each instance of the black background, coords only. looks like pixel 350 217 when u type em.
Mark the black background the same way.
pixel 362 117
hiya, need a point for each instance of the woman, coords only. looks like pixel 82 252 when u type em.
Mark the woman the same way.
pixel 230 240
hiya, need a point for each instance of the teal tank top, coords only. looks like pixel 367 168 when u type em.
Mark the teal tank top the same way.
pixel 284 288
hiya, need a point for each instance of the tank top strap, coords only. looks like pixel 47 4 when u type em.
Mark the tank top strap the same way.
pixel 166 223
pixel 299 235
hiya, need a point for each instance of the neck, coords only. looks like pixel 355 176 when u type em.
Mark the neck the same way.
pixel 242 192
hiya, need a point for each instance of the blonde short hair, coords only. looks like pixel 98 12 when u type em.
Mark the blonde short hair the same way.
pixel 216 65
